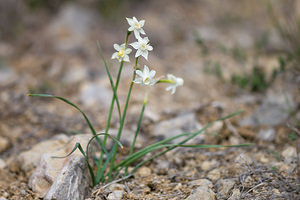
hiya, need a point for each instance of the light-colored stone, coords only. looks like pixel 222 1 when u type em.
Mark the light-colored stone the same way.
pixel 30 159
pixel 275 108
pixel 236 194
pixel 202 193
pixel 66 35
pixel 201 182
pixel 143 171
pixel 267 135
pixel 4 144
pixel 289 154
pixel 181 124
pixel 2 164
pixel 223 187
pixel 207 165
pixel 7 76
pixel 214 174
pixel 76 74
pixel 95 94
pixel 72 182
pixel 66 178
pixel 115 195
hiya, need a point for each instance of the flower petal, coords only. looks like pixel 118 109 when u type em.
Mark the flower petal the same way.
pixel 142 22
pixel 149 48
pixel 117 47
pixel 130 21
pixel 126 58
pixel 128 51
pixel 145 54
pixel 138 53
pixel 152 73
pixel 140 73
pixel 146 70
pixel 142 31
pixel 135 45
pixel 115 55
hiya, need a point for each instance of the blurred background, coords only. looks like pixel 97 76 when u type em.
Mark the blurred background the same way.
pixel 232 55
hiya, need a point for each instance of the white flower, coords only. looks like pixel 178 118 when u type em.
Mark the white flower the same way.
pixel 146 77
pixel 136 26
pixel 142 46
pixel 174 82
pixel 122 53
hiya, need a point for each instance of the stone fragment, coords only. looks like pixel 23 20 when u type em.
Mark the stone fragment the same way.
pixel 289 154
pixel 4 144
pixel 30 159
pixel 115 195
pixel 2 164
pixel 207 165
pixel 143 171
pixel 214 174
pixel 201 182
pixel 223 187
pixel 267 135
pixel 236 194
pixel 72 182
pixel 66 178
pixel 181 124
pixel 203 193
pixel 7 76
pixel 95 94
pixel 274 110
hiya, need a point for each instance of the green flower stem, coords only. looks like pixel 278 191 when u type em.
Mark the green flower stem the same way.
pixel 138 126
pixel 115 147
pixel 114 98
pixel 112 103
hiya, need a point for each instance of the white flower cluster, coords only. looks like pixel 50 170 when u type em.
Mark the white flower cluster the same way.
pixel 142 46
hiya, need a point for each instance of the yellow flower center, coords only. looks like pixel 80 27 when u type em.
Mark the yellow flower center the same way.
pixel 143 47
pixel 147 80
pixel 121 53
pixel 137 25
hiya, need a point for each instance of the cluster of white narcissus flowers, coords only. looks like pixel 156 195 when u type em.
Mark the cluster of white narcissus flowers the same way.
pixel 145 77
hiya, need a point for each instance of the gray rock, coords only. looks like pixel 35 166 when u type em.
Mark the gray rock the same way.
pixel 203 192
pixel 267 135
pixel 7 75
pixel 31 158
pixel 115 195
pixel 76 74
pixel 289 154
pixel 66 178
pixel 223 187
pixel 201 182
pixel 236 194
pixel 4 144
pixel 66 35
pixel 95 94
pixel 274 110
pixel 2 164
pixel 181 124
pixel 72 182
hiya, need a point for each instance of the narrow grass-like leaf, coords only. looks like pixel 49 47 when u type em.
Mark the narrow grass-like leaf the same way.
pixel 157 145
pixel 113 138
pixel 84 115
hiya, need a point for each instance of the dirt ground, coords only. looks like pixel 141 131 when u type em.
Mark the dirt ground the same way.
pixel 51 48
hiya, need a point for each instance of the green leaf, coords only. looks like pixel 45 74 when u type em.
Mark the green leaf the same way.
pixel 84 115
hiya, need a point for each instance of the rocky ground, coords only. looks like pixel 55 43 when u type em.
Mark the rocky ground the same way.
pixel 205 43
